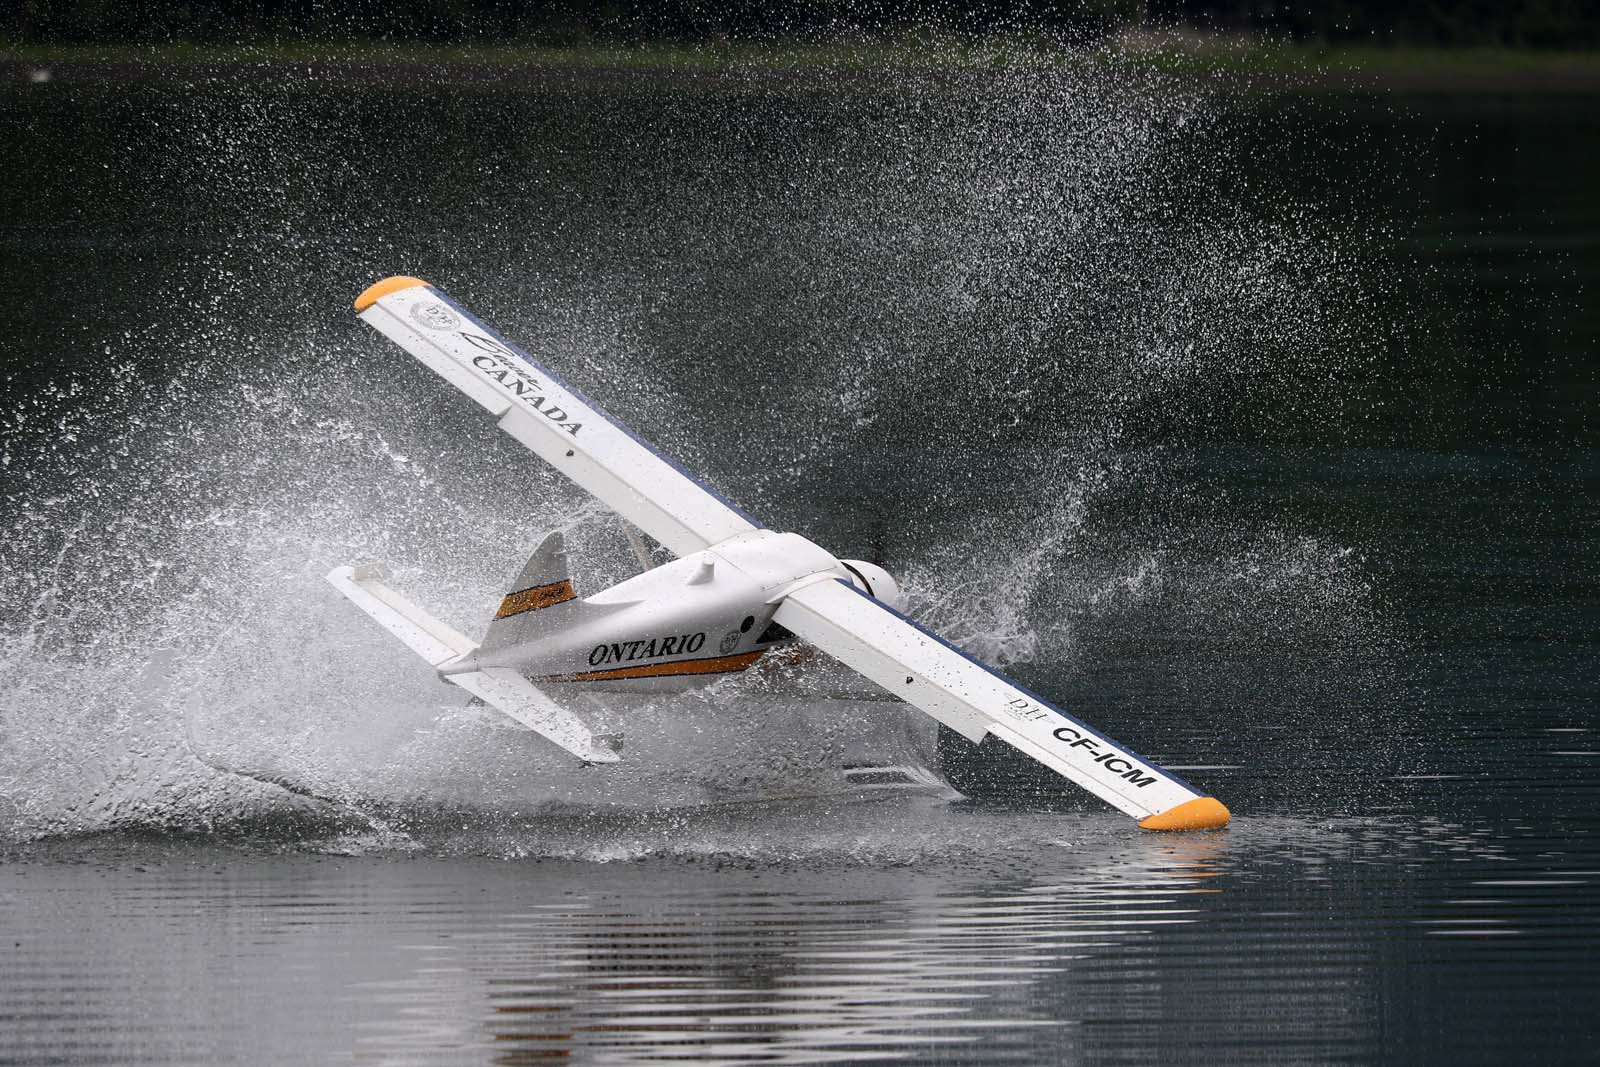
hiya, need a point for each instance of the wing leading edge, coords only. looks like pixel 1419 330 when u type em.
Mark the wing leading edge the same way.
pixel 923 669
pixel 552 420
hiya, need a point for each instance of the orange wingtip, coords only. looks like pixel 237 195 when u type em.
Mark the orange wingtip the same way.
pixel 375 292
pixel 1201 813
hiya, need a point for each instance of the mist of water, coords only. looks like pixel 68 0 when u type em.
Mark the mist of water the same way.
pixel 978 318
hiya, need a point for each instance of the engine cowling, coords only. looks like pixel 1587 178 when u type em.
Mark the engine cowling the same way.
pixel 874 581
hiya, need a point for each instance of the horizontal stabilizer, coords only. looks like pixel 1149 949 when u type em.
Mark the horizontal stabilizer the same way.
pixel 954 688
pixel 420 632
pixel 439 644
pixel 522 701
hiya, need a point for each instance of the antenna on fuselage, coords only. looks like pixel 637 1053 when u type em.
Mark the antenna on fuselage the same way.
pixel 641 551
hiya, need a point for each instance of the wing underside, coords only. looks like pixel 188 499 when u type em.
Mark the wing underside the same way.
pixel 967 696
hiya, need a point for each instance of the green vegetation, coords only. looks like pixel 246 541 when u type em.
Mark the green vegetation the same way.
pixel 1322 65
pixel 1308 66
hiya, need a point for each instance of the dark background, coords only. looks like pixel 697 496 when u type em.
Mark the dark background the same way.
pixel 1521 24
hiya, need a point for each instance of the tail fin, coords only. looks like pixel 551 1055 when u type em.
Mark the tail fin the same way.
pixel 542 584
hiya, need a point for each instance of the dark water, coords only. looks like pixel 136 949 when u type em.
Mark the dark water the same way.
pixel 1260 431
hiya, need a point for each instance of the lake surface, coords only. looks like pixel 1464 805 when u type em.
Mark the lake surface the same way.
pixel 1258 430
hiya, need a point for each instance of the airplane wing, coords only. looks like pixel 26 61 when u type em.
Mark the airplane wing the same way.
pixel 927 671
pixel 554 421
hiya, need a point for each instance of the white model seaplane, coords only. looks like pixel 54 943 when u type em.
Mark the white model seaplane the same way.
pixel 735 592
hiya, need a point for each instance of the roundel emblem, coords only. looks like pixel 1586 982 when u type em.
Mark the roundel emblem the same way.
pixel 435 317
pixel 730 641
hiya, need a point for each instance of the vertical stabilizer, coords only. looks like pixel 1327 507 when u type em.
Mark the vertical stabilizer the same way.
pixel 543 584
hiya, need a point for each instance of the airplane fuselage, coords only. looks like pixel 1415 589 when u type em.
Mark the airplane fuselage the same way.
pixel 673 627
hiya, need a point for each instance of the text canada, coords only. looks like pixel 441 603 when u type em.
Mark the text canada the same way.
pixel 506 368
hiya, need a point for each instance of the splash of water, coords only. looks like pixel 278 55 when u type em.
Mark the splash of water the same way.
pixel 994 286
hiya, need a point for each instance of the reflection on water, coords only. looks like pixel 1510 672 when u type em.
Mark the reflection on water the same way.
pixel 1037 938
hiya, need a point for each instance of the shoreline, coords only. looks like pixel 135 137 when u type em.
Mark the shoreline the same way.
pixel 1251 65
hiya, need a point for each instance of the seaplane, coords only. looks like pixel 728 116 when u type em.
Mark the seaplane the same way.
pixel 735 592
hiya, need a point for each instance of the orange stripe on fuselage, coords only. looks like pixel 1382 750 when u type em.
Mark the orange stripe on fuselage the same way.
pixel 536 597
pixel 714 665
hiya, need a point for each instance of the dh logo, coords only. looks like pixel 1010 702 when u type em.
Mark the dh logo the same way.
pixel 435 317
